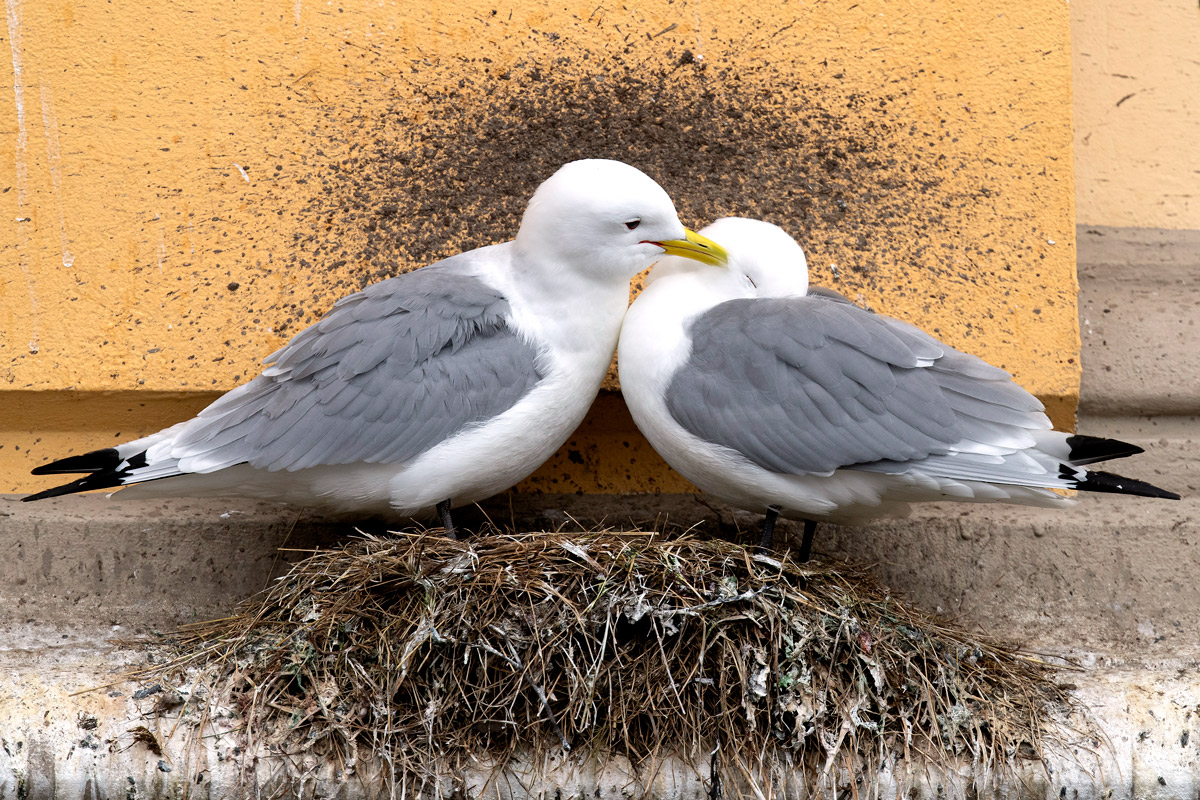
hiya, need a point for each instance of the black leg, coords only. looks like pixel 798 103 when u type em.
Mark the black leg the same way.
pixel 810 528
pixel 768 531
pixel 443 510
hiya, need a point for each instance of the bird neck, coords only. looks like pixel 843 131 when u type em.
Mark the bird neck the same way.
pixel 691 288
pixel 574 308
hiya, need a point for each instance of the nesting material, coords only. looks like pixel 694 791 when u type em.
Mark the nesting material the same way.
pixel 429 653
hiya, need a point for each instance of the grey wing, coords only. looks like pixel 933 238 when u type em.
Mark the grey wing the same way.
pixel 814 384
pixel 390 372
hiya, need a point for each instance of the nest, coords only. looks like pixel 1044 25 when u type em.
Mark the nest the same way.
pixel 428 651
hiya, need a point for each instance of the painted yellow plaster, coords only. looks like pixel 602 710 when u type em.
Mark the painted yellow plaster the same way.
pixel 1137 112
pixel 184 188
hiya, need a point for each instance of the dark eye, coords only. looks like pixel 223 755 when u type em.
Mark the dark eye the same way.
pixel 633 223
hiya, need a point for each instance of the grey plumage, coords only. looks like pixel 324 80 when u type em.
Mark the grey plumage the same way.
pixel 387 374
pixel 808 385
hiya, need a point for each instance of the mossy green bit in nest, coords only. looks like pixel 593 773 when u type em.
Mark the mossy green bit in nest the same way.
pixel 425 650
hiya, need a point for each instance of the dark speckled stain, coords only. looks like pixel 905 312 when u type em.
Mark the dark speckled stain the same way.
pixel 396 180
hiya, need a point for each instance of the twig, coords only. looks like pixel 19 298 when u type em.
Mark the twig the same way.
pixel 516 664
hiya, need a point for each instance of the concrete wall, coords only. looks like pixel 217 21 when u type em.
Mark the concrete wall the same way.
pixel 186 186
pixel 1136 66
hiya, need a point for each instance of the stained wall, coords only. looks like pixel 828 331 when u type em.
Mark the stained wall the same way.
pixel 183 188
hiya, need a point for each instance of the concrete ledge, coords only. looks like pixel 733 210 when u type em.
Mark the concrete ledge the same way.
pixel 87 561
pixel 58 740
pixel 1114 575
pixel 1139 303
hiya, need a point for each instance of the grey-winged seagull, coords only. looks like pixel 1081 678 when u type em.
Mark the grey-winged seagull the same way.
pixel 788 401
pixel 431 389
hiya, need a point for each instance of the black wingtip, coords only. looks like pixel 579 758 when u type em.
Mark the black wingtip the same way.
pixel 1090 449
pixel 108 470
pixel 1118 484
pixel 95 461
pixel 106 480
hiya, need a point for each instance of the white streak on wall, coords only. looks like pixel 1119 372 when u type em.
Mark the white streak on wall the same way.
pixel 14 40
pixel 54 156
pixel 162 243
pixel 13 12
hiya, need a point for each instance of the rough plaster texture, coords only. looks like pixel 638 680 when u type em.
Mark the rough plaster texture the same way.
pixel 1136 112
pixel 188 187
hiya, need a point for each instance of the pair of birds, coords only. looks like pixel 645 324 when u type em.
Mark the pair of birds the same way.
pixel 446 385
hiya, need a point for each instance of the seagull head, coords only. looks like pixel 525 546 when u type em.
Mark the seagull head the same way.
pixel 764 253
pixel 609 220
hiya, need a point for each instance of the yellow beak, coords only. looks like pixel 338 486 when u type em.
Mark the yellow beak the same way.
pixel 696 247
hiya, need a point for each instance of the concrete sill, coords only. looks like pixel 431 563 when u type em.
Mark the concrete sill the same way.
pixel 1110 584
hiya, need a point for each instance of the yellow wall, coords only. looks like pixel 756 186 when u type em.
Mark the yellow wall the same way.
pixel 1137 112
pixel 185 187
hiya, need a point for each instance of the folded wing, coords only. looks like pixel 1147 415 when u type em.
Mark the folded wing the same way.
pixel 390 372
pixel 808 385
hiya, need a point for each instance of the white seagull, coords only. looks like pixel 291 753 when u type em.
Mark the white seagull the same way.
pixel 788 401
pixel 433 389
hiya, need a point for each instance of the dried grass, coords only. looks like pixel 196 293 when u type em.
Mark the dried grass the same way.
pixel 425 650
